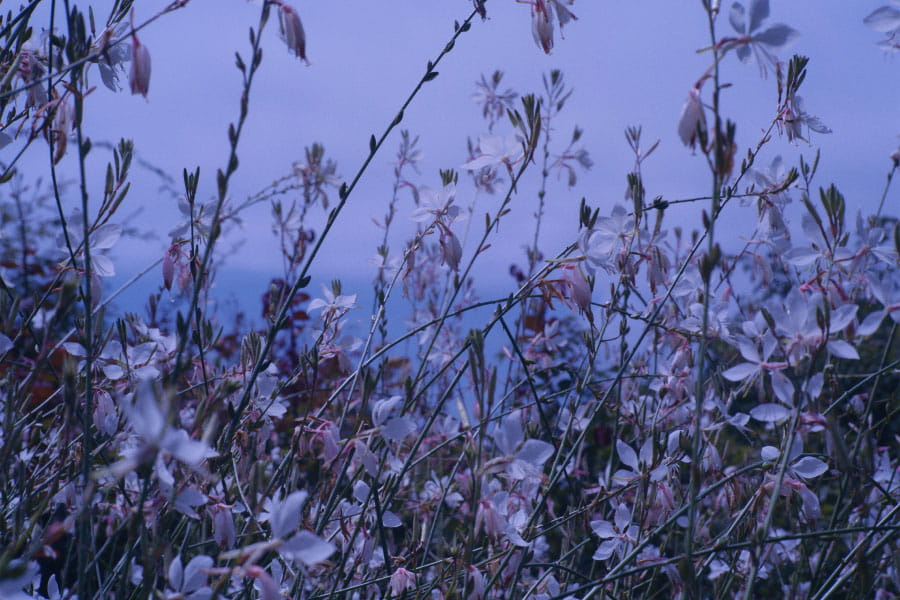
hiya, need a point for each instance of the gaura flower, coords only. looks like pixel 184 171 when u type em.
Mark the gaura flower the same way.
pixel 451 249
pixel 495 150
pixel 577 287
pixel 692 119
pixel 140 67
pixel 292 31
pixel 542 25
pixel 402 580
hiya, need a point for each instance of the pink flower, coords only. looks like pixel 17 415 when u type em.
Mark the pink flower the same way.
pixel 292 31
pixel 168 265
pixel 577 287
pixel 140 67
pixel 402 580
pixel 451 249
pixel 692 118
pixel 542 25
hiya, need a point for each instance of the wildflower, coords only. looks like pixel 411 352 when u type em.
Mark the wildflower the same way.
pixel 283 517
pixel 148 417
pixel 112 58
pixel 577 288
pixel 887 21
pixel 495 150
pixel 266 585
pixel 189 582
pixel 799 471
pixel 140 67
pixel 493 102
pixel 793 117
pixel 401 580
pixel 32 70
pixel 18 576
pixel 542 24
pixel 617 536
pixel 759 363
pixel 563 14
pixel 884 20
pixel 334 302
pixel 436 204
pixel 393 429
pixel 501 517
pixel 334 350
pixel 638 465
pixel 451 249
pixel 692 122
pixel 292 31
pixel 63 118
pixel 747 23
pixel 611 235
pixel 523 459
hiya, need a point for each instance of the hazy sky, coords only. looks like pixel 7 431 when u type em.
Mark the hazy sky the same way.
pixel 630 63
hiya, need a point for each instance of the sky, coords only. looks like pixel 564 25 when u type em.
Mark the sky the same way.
pixel 629 63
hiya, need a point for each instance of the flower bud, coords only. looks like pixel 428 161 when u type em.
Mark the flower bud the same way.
pixel 168 266
pixel 140 67
pixel 292 31
pixel 542 25
pixel 578 289
pixel 451 249
pixel 692 120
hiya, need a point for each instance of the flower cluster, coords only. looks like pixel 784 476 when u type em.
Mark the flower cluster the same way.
pixel 653 409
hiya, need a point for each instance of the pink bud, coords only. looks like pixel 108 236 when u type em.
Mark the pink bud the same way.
pixel 692 118
pixel 292 31
pixel 577 287
pixel 140 67
pixel 451 250
pixel 168 266
pixel 480 9
pixel 542 25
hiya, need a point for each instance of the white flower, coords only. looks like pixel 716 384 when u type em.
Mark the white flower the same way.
pixel 189 583
pixel 333 303
pixel 101 238
pixel 283 517
pixel 617 536
pixel 524 459
pixel 436 205
pixel 495 150
pixel 148 420
pixel 402 580
pixel 761 43
pixel 610 236
pixel 794 116
pixel 112 58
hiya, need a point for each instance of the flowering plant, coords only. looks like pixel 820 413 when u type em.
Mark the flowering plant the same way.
pixel 662 404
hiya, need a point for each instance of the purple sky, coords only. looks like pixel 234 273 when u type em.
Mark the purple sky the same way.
pixel 630 63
